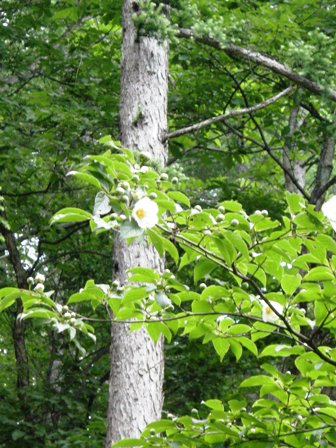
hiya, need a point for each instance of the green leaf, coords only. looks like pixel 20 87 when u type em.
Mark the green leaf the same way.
pixel 319 273
pixel 203 268
pixel 177 196
pixel 290 283
pixel 216 405
pixel 236 348
pixel 8 297
pixel 221 346
pixel 249 345
pixel 130 229
pixel 144 275
pixel 171 249
pixel 282 350
pixel 129 442
pixel 134 294
pixel 232 206
pixel 70 215
pixel 102 204
pixel 239 329
pixel 40 313
pixel 295 202
pixel 257 380
pixel 86 177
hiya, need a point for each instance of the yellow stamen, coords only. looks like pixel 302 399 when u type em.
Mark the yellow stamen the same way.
pixel 140 213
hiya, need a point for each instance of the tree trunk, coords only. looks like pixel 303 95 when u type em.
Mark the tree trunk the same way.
pixel 18 332
pixel 293 165
pixel 135 385
pixel 324 169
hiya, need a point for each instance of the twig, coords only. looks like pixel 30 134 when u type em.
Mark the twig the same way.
pixel 223 117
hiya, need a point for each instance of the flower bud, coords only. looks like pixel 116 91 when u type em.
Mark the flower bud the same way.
pixel 120 190
pixel 235 222
pixel 145 155
pixel 163 176
pixel 125 199
pixel 264 212
pixel 135 178
pixel 30 280
pixel 220 217
pixel 39 278
pixel 175 180
pixel 39 287
pixel 125 185
pixel 202 285
pixel 153 195
pixel 221 209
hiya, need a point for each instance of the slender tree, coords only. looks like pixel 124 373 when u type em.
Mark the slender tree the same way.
pixel 135 386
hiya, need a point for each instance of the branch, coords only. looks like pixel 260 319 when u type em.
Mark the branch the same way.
pixel 235 51
pixel 223 117
pixel 287 172
pixel 27 193
pixel 75 227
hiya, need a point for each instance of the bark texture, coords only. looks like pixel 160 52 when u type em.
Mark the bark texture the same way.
pixel 135 385
pixel 294 168
pixel 324 170
pixel 18 331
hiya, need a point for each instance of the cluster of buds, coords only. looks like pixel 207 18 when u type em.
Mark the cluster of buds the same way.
pixel 38 281
pixel 67 315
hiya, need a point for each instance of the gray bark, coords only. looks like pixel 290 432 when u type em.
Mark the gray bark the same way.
pixel 324 170
pixel 135 384
pixel 293 165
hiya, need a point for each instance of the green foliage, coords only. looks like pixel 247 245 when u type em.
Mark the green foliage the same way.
pixel 59 87
pixel 260 286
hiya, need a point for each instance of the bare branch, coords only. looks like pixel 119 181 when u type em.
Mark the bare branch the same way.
pixel 223 117
pixel 266 146
pixel 27 193
pixel 235 51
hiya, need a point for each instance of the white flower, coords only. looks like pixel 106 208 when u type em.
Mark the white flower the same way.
pixel 145 212
pixel 329 210
pixel 39 287
pixel 39 278
pixel 268 314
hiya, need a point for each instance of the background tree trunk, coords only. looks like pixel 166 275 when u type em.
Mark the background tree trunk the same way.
pixel 135 385
pixel 290 162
